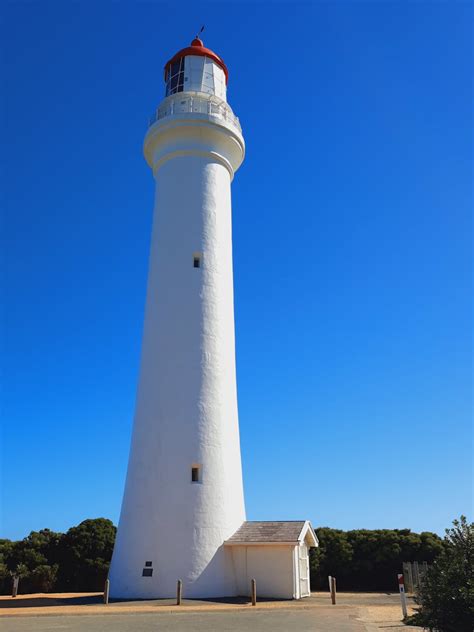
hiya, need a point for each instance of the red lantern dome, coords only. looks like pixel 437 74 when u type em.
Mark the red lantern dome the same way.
pixel 197 48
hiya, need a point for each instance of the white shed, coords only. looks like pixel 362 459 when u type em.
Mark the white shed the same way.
pixel 276 555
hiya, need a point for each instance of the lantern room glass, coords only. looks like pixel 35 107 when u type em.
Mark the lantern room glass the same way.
pixel 194 73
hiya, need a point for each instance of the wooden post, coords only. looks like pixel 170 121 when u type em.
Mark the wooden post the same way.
pixel 254 592
pixel 179 592
pixel 106 591
pixel 401 587
pixel 333 591
pixel 416 575
pixel 408 576
pixel 16 581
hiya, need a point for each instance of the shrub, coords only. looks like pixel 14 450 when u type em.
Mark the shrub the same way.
pixel 446 597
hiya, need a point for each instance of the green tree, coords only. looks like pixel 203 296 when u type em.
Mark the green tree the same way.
pixel 76 560
pixel 84 555
pixel 37 551
pixel 446 597
pixel 21 571
pixel 43 578
pixel 333 556
pixel 365 559
pixel 5 577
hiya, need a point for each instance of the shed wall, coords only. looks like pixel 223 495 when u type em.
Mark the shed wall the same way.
pixel 271 566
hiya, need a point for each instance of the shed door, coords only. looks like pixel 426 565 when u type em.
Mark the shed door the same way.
pixel 304 570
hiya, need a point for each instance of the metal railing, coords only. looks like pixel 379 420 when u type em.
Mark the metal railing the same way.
pixel 180 104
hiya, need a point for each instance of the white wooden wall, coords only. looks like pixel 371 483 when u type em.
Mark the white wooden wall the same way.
pixel 273 568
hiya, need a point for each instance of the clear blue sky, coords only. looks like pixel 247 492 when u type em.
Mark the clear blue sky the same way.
pixel 352 247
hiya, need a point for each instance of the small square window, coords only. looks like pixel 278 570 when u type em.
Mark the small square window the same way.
pixel 147 572
pixel 148 563
pixel 196 261
pixel 195 474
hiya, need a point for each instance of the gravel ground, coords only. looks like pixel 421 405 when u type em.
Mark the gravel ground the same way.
pixel 354 612
pixel 256 621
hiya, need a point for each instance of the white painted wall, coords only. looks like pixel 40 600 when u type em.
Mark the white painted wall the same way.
pixel 271 566
pixel 302 582
pixel 186 409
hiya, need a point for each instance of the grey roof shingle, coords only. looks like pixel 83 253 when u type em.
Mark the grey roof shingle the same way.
pixel 256 531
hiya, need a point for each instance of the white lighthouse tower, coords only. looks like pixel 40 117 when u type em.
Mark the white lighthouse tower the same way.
pixel 183 494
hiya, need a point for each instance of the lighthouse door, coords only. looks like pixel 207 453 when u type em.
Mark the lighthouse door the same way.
pixel 304 570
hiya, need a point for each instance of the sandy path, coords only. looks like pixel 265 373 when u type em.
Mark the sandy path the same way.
pixel 378 612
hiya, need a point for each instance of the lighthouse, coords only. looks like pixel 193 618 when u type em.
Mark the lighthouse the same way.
pixel 183 495
pixel 183 512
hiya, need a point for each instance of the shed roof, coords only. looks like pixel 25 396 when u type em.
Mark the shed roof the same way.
pixel 282 532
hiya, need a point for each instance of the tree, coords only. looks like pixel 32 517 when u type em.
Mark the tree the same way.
pixel 19 572
pixel 43 578
pixel 36 551
pixel 5 577
pixel 366 559
pixel 333 556
pixel 84 555
pixel 76 560
pixel 446 596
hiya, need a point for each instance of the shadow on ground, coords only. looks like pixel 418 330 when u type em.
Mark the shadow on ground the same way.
pixel 44 601
pixel 24 601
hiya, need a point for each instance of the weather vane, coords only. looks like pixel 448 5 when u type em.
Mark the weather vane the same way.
pixel 199 33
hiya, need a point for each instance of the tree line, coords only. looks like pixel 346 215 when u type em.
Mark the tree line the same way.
pixel 368 560
pixel 46 561
pixel 79 559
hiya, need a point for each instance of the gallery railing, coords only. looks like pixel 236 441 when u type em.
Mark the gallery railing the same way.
pixel 199 104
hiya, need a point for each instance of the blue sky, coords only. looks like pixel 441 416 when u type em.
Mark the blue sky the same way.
pixel 352 254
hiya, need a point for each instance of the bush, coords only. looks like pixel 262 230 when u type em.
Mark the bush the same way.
pixel 446 597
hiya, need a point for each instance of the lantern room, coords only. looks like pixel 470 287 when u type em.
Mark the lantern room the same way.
pixel 196 69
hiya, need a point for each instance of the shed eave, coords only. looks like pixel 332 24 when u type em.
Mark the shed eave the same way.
pixel 308 531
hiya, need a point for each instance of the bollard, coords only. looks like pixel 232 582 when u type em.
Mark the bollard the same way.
pixel 333 591
pixel 16 581
pixel 179 592
pixel 254 592
pixel 401 587
pixel 106 591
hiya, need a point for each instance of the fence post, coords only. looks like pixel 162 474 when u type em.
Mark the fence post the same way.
pixel 16 581
pixel 333 591
pixel 401 587
pixel 410 586
pixel 106 591
pixel 179 592
pixel 416 575
pixel 254 592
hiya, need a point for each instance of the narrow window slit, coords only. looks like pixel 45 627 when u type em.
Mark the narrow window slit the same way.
pixel 195 474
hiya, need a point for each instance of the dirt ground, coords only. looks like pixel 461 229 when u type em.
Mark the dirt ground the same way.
pixel 368 611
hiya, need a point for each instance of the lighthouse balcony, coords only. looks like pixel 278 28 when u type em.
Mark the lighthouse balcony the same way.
pixel 196 103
